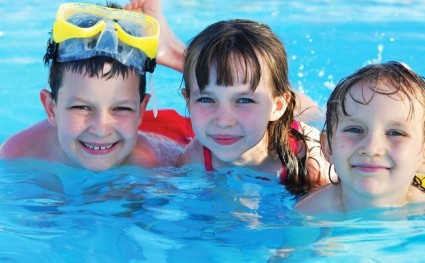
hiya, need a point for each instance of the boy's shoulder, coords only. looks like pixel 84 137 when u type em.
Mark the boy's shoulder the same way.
pixel 192 153
pixel 154 150
pixel 33 142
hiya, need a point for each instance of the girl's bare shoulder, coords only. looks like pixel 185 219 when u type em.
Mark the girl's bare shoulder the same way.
pixel 324 200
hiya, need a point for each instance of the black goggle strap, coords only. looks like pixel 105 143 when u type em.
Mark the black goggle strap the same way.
pixel 150 64
pixel 51 50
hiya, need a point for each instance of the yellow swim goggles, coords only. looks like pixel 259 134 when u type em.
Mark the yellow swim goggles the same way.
pixel 86 30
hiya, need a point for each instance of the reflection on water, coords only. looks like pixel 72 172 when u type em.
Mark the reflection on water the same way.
pixel 182 215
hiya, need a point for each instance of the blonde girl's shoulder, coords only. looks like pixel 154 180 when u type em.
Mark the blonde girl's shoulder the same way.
pixel 324 200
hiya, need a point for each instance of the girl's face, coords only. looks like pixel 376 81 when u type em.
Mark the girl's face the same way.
pixel 378 147
pixel 232 121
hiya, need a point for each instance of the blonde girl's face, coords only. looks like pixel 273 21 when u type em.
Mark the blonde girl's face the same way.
pixel 378 147
pixel 232 121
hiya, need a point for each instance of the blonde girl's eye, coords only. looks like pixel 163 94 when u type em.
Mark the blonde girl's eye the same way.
pixel 245 101
pixel 395 133
pixel 353 130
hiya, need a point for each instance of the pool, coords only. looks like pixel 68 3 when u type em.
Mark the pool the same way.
pixel 131 214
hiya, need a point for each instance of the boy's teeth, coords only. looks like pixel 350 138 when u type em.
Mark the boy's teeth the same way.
pixel 97 148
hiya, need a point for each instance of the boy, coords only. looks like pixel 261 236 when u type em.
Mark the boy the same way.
pixel 98 60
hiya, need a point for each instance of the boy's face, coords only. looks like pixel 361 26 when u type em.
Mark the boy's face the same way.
pixel 97 119
pixel 378 147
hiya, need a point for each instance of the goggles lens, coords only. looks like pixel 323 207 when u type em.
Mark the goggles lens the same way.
pixel 85 30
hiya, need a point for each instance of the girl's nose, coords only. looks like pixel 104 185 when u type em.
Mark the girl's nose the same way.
pixel 224 116
pixel 372 145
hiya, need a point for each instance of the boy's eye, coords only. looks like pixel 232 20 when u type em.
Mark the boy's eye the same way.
pixel 80 107
pixel 353 130
pixel 245 100
pixel 123 109
pixel 205 100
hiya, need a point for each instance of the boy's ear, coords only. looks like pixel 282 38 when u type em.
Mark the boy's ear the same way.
pixel 144 102
pixel 143 105
pixel 326 149
pixel 49 106
pixel 279 106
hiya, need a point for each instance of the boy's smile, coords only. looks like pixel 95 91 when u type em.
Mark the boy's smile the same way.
pixel 95 148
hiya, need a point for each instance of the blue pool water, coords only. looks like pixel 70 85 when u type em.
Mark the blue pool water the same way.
pixel 131 214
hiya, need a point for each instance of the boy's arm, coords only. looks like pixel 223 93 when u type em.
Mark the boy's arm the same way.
pixel 171 48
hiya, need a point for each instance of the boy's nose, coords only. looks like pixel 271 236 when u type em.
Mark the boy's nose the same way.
pixel 372 145
pixel 101 124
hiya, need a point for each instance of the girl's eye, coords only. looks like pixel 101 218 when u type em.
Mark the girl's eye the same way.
pixel 395 133
pixel 353 130
pixel 205 100
pixel 245 101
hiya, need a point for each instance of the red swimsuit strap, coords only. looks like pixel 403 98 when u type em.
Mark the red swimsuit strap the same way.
pixel 293 145
pixel 208 160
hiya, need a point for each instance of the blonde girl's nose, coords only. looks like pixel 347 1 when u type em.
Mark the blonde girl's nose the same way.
pixel 372 145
